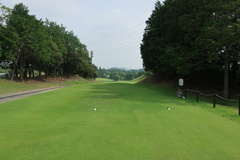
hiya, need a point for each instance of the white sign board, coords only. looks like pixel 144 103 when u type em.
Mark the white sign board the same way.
pixel 181 82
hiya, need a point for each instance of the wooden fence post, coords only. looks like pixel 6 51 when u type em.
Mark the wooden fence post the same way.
pixel 214 101
pixel 239 105
pixel 197 96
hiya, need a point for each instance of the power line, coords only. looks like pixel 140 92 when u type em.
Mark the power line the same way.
pixel 118 48
pixel 134 34
pixel 114 45
pixel 107 50
pixel 116 52
pixel 119 42
pixel 114 34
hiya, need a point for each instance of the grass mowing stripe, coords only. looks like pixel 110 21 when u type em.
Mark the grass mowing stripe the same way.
pixel 131 122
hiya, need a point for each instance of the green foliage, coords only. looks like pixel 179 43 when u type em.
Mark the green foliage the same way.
pixel 33 44
pixel 119 74
pixel 4 14
pixel 183 38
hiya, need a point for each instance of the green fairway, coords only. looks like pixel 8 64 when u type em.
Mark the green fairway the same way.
pixel 131 122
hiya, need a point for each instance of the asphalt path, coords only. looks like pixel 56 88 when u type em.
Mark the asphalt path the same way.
pixel 14 96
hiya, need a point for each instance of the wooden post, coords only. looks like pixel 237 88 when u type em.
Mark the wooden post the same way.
pixel 214 101
pixel 239 105
pixel 197 97
pixel 185 93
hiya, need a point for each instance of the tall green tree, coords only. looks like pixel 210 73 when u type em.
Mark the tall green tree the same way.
pixel 4 14
pixel 32 44
pixel 224 31
pixel 18 37
pixel 57 33
pixel 214 32
pixel 183 37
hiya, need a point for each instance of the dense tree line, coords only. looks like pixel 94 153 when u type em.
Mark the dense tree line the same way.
pixel 28 44
pixel 117 74
pixel 194 39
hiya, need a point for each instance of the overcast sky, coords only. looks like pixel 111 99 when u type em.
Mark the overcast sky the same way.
pixel 112 29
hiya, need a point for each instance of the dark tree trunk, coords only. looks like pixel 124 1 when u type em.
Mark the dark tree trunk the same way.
pixel 62 70
pixel 32 70
pixel 40 73
pixel 21 68
pixel 16 74
pixel 21 65
pixel 25 73
pixel 226 77
pixel 46 73
pixel 14 69
pixel 15 65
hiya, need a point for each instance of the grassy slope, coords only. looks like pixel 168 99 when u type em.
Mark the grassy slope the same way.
pixel 131 123
pixel 7 86
pixel 141 78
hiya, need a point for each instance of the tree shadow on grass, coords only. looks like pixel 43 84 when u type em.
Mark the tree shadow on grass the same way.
pixel 135 93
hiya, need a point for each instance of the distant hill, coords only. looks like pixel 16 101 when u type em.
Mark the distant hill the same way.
pixel 125 69
pixel 120 73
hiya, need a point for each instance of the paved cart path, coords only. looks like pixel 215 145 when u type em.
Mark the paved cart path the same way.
pixel 14 96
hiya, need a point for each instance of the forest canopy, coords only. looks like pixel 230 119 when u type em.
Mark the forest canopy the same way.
pixel 194 40
pixel 28 45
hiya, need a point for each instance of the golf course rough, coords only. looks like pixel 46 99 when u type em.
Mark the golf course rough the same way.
pixel 131 122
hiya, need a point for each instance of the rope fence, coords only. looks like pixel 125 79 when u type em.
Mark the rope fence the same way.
pixel 214 97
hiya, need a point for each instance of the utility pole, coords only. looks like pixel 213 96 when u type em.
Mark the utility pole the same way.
pixel 91 55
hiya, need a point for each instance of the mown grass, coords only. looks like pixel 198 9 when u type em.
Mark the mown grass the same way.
pixel 104 80
pixel 139 79
pixel 131 123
